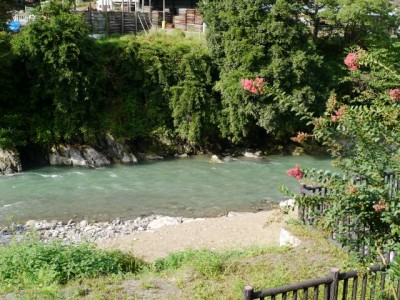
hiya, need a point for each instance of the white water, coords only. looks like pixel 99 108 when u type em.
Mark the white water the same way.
pixel 191 187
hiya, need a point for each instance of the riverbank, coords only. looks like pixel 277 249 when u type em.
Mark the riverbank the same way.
pixel 156 236
pixel 233 231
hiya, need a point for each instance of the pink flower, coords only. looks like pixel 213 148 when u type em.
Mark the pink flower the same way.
pixel 395 95
pixel 338 114
pixel 351 61
pixel 296 172
pixel 253 86
pixel 380 206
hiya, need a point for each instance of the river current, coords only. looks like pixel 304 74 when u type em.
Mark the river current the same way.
pixel 187 187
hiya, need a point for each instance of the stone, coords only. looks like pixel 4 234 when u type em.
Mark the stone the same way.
pixel 59 155
pixel 76 158
pixel 30 223
pixel 287 239
pixel 45 225
pixel 47 234
pixel 229 159
pixel 10 162
pixel 298 151
pixel 83 223
pixel 215 159
pixel 82 155
pixel 117 152
pixel 94 158
pixel 287 204
pixel 252 155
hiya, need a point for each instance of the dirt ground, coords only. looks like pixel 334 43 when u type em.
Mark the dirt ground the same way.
pixel 228 232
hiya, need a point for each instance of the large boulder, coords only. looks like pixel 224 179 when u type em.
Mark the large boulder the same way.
pixel 10 162
pixel 81 155
pixel 115 151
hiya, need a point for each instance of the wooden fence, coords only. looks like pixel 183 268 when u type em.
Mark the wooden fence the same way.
pixel 346 225
pixel 373 284
pixel 117 22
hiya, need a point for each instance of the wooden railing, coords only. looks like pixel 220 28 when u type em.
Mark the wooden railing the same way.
pixel 373 284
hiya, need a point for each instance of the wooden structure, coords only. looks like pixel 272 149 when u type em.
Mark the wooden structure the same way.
pixel 172 4
pixel 117 22
pixel 166 14
pixel 349 285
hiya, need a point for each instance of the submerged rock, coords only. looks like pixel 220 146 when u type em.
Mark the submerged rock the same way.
pixel 215 159
pixel 256 154
pixel 10 162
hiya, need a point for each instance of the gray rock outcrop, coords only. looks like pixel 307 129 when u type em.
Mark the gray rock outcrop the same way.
pixel 69 155
pixel 106 150
pixel 10 162
pixel 115 151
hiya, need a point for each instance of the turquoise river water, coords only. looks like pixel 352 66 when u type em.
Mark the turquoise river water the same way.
pixel 188 187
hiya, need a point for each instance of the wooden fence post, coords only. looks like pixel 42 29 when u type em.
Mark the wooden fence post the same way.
pixel 335 283
pixel 248 292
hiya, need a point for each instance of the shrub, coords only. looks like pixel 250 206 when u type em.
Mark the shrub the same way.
pixel 361 130
pixel 31 262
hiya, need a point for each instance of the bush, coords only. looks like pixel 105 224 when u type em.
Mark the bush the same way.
pixel 31 262
pixel 362 133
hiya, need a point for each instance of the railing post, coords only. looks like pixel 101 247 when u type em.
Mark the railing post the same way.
pixel 248 292
pixel 335 283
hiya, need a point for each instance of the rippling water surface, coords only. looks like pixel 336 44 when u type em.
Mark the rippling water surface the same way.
pixel 191 187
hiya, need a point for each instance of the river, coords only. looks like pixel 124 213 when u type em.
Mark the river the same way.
pixel 187 187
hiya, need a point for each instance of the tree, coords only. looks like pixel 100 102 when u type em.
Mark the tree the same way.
pixel 262 38
pixel 12 129
pixel 160 86
pixel 5 14
pixel 345 23
pixel 62 75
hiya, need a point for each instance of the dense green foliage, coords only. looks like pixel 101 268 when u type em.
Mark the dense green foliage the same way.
pixel 296 46
pixel 160 86
pixel 12 96
pixel 5 15
pixel 67 87
pixel 261 39
pixel 61 74
pixel 344 23
pixel 72 88
pixel 29 263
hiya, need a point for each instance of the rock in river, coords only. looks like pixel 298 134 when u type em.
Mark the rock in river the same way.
pixel 10 162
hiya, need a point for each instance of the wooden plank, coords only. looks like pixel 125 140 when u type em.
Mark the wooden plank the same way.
pixel 316 293
pixel 364 287
pixel 354 289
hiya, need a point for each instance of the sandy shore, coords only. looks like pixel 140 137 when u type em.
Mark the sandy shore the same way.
pixel 227 232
